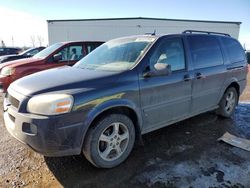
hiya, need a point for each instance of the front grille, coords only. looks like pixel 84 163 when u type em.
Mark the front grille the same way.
pixel 13 101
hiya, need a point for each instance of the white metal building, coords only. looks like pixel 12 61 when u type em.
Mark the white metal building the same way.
pixel 106 29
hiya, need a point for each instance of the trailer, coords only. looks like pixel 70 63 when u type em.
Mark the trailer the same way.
pixel 106 29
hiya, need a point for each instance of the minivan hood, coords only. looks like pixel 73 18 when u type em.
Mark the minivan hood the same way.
pixel 62 78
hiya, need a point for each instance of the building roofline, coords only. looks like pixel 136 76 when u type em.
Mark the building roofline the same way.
pixel 145 18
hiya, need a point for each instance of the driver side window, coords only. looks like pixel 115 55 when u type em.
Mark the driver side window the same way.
pixel 71 53
pixel 64 53
pixel 169 51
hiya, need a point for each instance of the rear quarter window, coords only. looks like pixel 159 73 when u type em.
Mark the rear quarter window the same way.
pixel 205 51
pixel 233 49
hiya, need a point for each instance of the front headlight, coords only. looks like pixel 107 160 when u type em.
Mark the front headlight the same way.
pixel 7 71
pixel 50 104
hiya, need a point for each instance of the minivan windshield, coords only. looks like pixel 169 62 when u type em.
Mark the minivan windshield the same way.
pixel 47 51
pixel 116 55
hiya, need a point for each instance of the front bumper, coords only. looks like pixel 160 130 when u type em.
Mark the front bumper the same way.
pixel 59 135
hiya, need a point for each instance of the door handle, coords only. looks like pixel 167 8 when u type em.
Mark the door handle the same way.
pixel 200 76
pixel 187 78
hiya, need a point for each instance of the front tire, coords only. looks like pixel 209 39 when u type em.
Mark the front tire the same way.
pixel 228 102
pixel 109 142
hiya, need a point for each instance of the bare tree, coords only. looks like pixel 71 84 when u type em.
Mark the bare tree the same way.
pixel 40 40
pixel 33 40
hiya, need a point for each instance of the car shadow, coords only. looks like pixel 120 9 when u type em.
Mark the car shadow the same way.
pixel 192 136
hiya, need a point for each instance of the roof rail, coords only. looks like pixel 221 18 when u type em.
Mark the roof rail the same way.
pixel 207 32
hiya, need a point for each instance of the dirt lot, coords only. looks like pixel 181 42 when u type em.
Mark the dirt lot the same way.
pixel 186 154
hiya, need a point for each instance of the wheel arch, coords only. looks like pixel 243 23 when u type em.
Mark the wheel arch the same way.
pixel 230 83
pixel 236 86
pixel 113 106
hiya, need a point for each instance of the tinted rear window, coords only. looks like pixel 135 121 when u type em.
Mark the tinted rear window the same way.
pixel 248 57
pixel 234 49
pixel 205 51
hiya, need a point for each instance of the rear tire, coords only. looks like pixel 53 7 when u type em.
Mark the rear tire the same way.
pixel 109 142
pixel 228 103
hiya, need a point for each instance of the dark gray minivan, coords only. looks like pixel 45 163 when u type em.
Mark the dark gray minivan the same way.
pixel 125 88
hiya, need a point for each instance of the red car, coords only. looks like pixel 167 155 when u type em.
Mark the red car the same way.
pixel 59 54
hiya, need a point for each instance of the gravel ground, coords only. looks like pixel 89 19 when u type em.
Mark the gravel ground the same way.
pixel 186 154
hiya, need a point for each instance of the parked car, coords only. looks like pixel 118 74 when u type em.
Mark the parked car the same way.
pixel 9 50
pixel 26 54
pixel 125 88
pixel 56 55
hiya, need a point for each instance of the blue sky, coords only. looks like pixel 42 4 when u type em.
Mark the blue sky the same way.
pixel 219 10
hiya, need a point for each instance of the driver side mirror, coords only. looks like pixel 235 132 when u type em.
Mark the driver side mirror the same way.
pixel 160 69
pixel 57 57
